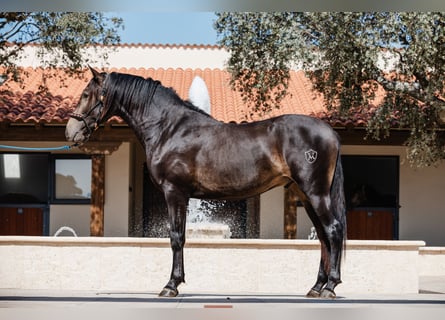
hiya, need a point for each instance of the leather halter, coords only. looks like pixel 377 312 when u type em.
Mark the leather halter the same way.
pixel 84 116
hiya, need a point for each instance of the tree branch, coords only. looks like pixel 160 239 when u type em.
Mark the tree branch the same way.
pixel 421 78
pixel 414 89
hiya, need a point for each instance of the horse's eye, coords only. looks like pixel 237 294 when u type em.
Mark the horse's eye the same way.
pixel 85 95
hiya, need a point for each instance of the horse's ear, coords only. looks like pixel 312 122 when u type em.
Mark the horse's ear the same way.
pixel 93 71
pixel 97 76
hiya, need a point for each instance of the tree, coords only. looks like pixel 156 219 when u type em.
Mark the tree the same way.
pixel 61 37
pixel 348 57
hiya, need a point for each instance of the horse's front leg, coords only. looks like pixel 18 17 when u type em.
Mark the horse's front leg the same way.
pixel 177 210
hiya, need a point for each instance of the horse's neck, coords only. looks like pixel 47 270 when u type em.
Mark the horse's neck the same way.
pixel 155 121
pixel 139 120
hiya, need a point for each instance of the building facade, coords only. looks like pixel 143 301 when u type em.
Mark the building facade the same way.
pixel 107 179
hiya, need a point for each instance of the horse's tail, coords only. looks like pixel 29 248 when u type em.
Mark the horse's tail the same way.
pixel 338 197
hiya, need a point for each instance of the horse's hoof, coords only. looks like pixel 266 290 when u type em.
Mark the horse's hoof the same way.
pixel 313 294
pixel 168 293
pixel 327 294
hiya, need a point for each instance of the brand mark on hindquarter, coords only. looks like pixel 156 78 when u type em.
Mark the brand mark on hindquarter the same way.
pixel 311 156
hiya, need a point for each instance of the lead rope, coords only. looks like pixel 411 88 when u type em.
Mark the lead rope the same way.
pixel 66 147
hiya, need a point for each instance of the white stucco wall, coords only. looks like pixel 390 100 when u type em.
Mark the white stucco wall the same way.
pixel 146 56
pixel 271 214
pixel 422 212
pixel 117 183
pixel 232 266
pixel 76 217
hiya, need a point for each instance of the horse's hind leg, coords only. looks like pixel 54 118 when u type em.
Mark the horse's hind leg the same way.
pixel 330 233
pixel 177 207
pixel 334 234
pixel 322 276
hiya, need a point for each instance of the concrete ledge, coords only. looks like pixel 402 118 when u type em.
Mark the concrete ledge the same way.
pixel 211 265
pixel 432 261
pixel 217 243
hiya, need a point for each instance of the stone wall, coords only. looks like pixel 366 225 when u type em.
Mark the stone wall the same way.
pixel 432 261
pixel 217 266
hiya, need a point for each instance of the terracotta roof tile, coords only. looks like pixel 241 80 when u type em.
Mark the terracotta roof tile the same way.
pixel 25 104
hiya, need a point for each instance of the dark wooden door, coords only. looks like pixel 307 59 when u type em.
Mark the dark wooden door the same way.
pixel 371 224
pixel 21 221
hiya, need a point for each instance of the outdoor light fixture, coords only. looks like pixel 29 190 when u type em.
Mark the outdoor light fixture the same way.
pixel 11 165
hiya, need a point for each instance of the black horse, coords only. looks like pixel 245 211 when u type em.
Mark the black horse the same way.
pixel 190 154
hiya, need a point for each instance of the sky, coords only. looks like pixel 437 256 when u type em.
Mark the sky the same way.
pixel 168 27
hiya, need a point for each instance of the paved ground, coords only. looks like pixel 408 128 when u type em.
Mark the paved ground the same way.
pixel 44 304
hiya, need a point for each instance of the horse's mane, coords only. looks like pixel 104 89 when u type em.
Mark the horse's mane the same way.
pixel 137 91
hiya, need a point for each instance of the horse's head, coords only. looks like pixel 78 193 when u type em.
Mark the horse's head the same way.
pixel 89 111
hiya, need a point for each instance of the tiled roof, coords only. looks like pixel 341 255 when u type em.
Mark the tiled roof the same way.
pixel 23 104
pixel 148 45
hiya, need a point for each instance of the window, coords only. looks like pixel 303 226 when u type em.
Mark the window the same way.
pixel 24 177
pixel 71 179
pixel 371 181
